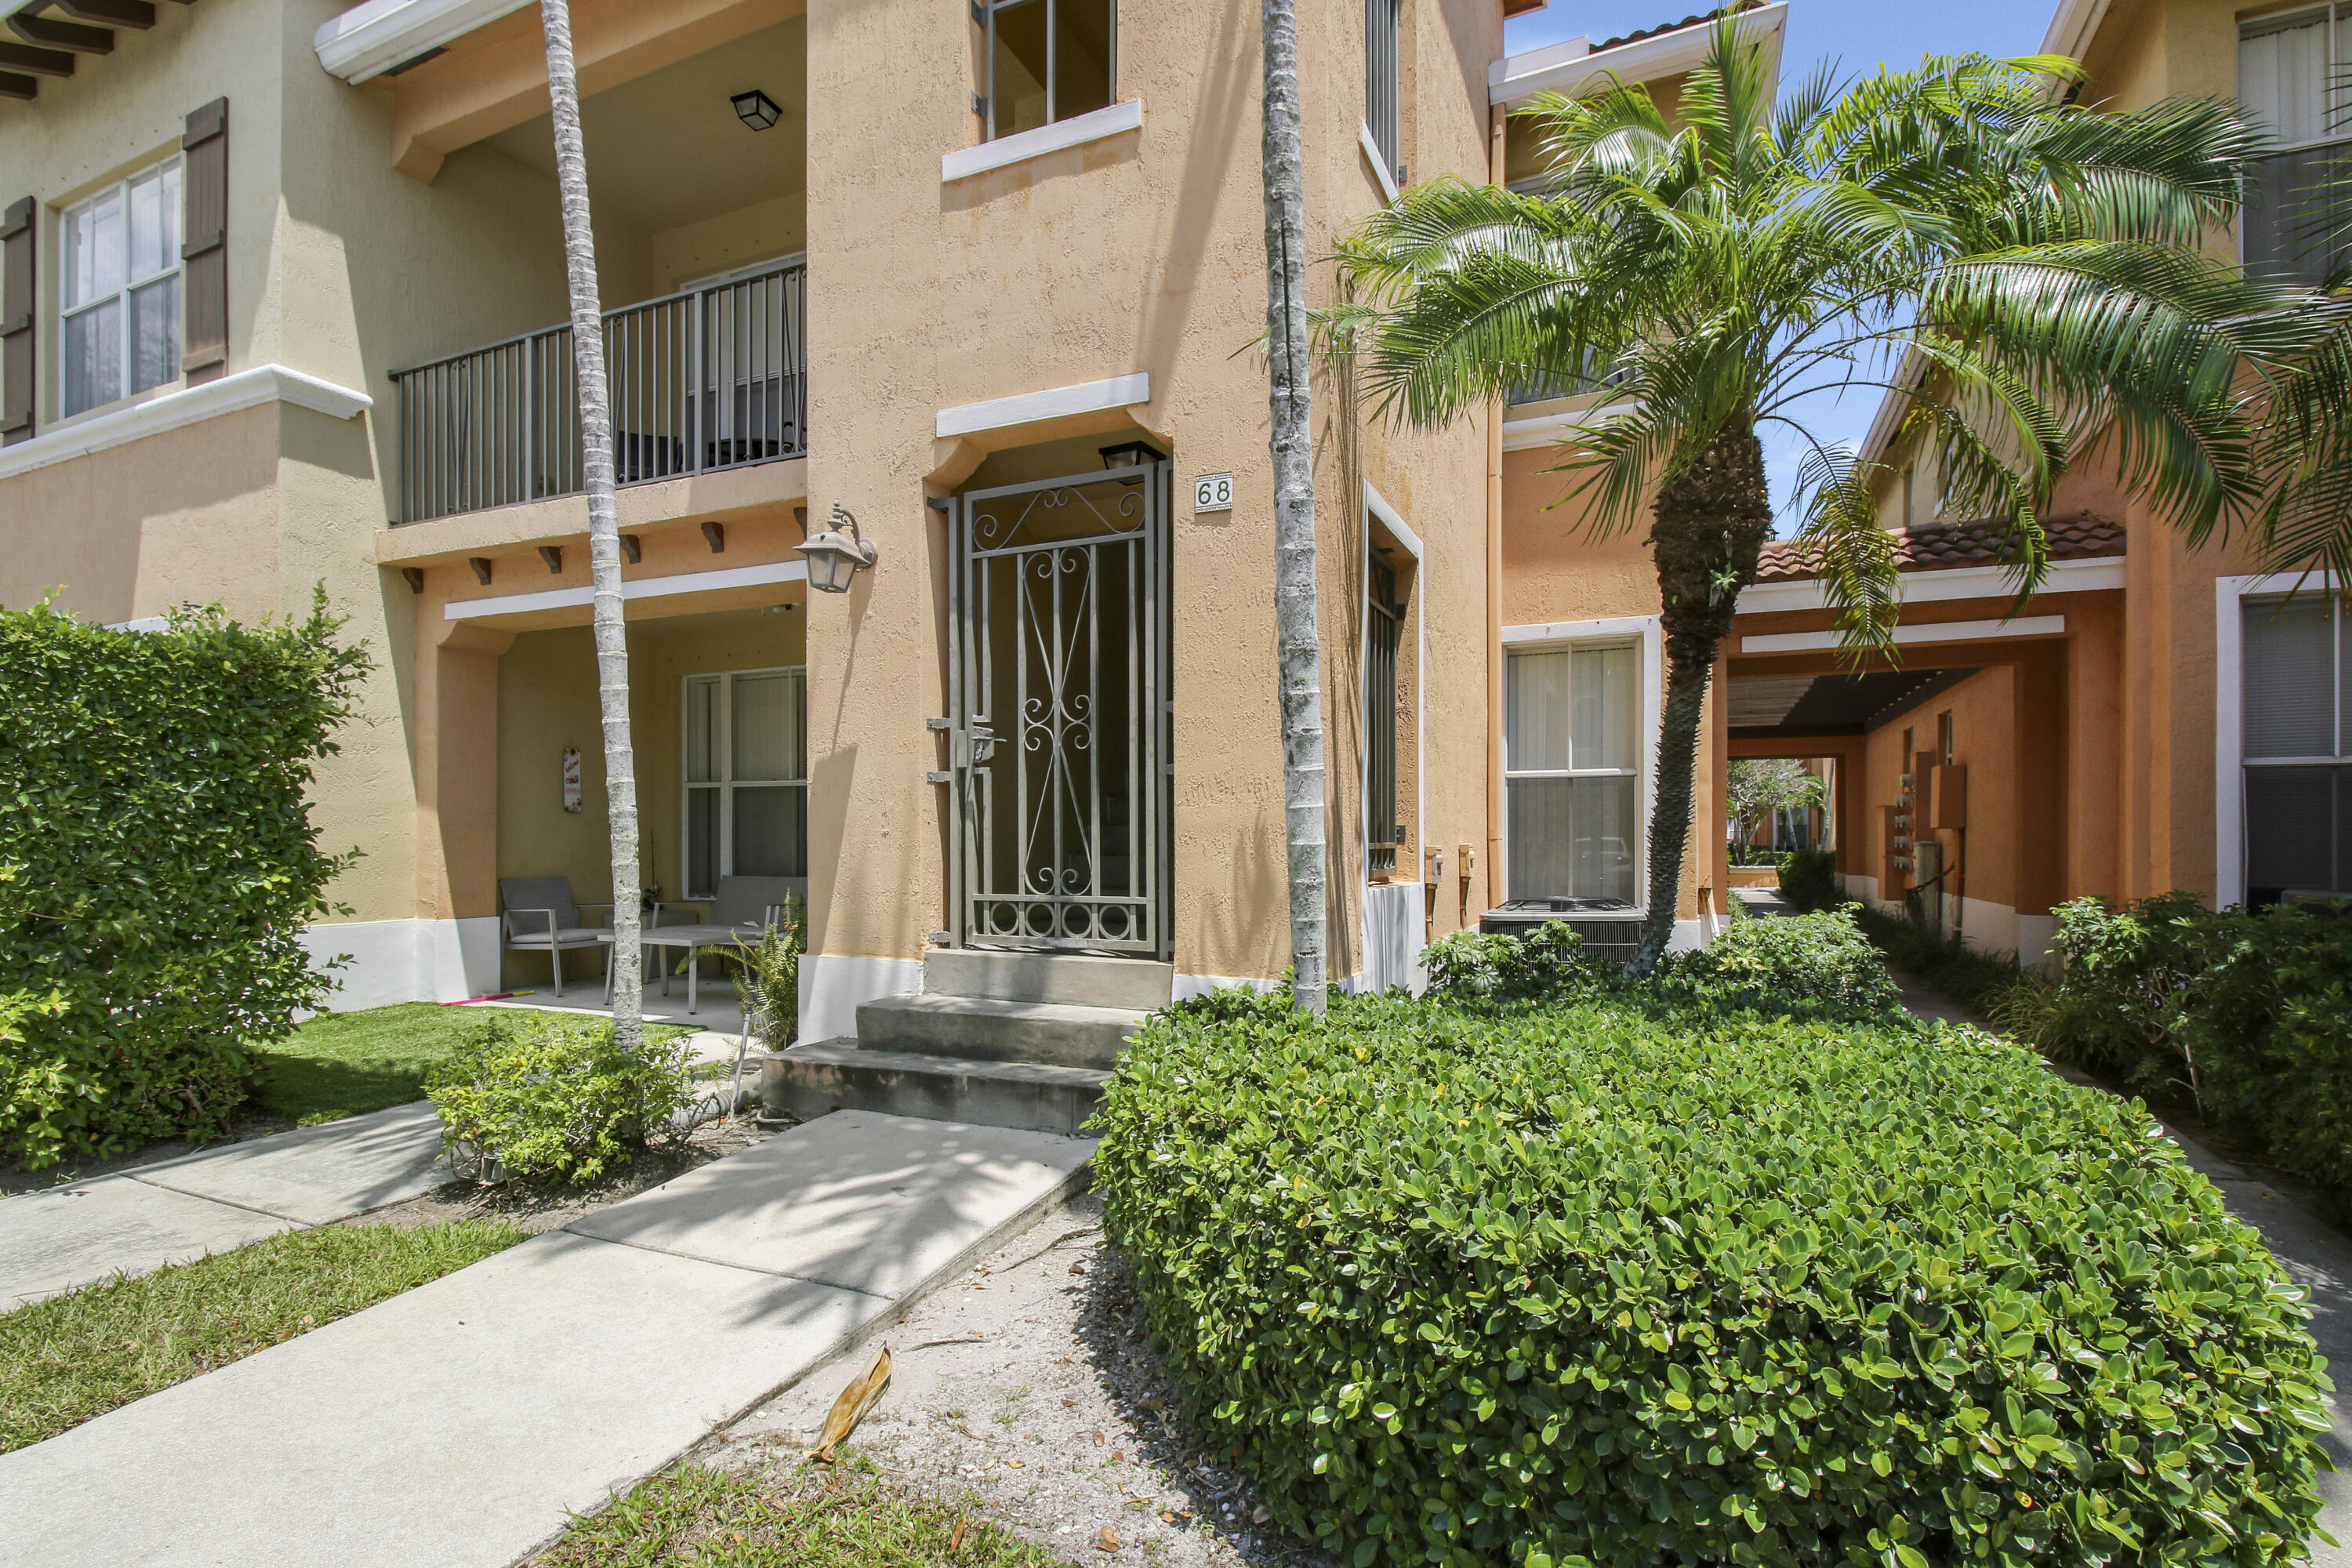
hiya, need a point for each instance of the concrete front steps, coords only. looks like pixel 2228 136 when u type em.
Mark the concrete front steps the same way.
pixel 994 1039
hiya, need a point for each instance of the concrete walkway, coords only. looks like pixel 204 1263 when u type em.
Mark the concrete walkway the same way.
pixel 180 1210
pixel 458 1424
pixel 175 1211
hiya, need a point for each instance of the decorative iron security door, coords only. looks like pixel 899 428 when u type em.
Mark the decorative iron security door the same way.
pixel 1060 676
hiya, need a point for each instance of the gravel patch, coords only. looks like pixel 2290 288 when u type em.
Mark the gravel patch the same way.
pixel 1028 1390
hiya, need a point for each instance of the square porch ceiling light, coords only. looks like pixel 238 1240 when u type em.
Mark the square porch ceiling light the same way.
pixel 1130 455
pixel 755 108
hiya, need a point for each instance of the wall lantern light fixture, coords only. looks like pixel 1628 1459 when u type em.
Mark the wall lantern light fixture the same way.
pixel 1130 455
pixel 755 108
pixel 834 555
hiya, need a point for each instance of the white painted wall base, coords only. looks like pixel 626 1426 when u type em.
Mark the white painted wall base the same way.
pixel 1859 887
pixel 833 983
pixel 406 960
pixel 1395 928
pixel 2037 942
pixel 1691 935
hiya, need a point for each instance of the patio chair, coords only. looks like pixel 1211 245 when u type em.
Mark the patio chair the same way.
pixel 539 916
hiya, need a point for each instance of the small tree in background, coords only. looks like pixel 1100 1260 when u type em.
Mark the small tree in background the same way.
pixel 1762 788
pixel 158 868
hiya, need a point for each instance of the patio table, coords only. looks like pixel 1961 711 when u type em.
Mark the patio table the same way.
pixel 687 938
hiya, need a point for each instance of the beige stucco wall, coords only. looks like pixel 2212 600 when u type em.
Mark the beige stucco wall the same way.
pixel 1143 252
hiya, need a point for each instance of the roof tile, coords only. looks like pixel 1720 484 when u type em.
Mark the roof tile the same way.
pixel 1700 20
pixel 1935 546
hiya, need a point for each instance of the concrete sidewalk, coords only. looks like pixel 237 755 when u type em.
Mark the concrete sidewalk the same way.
pixel 179 1210
pixel 175 1211
pixel 458 1424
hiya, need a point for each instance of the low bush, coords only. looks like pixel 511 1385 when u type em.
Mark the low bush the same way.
pixel 158 868
pixel 1967 976
pixel 2242 1010
pixel 552 1095
pixel 1471 962
pixel 1479 1282
pixel 1809 879
pixel 1816 965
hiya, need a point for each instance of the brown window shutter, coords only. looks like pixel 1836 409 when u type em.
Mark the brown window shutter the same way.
pixel 203 245
pixel 20 242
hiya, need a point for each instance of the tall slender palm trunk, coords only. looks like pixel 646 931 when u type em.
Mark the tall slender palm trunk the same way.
pixel 604 521
pixel 1711 523
pixel 1299 645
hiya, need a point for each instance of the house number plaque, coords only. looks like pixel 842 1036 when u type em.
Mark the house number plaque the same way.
pixel 1212 492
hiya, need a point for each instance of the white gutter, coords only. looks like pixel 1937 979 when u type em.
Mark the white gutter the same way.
pixel 2071 32
pixel 1575 70
pixel 370 38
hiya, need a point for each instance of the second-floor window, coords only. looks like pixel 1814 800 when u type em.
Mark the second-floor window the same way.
pixel 1380 78
pixel 119 305
pixel 1049 61
pixel 2295 75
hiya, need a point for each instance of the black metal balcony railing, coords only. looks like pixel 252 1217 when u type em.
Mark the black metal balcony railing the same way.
pixel 716 377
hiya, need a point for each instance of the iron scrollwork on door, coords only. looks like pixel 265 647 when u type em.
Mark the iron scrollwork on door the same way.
pixel 1061 684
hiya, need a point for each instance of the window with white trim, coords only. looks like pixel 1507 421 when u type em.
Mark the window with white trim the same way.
pixel 1049 61
pixel 1572 772
pixel 746 777
pixel 2297 747
pixel 1382 80
pixel 119 299
pixel 2294 75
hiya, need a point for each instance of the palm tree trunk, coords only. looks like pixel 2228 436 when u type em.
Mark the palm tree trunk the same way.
pixel 604 521
pixel 1299 645
pixel 1712 521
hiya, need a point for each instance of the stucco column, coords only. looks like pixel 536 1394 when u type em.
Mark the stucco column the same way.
pixel 2044 780
pixel 457 765
pixel 2095 732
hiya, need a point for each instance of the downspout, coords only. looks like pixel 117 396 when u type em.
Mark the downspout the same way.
pixel 1496 890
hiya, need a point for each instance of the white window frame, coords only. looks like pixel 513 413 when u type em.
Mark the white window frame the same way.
pixel 724 744
pixel 985 15
pixel 1646 633
pixel 121 295
pixel 2229 594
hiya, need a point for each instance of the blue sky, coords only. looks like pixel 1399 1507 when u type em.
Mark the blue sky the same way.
pixel 1859 35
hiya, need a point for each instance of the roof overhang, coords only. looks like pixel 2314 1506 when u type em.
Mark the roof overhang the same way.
pixel 1576 70
pixel 370 38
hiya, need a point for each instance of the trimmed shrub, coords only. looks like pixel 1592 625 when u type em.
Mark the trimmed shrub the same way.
pixel 1816 965
pixel 551 1095
pixel 1809 879
pixel 1469 1284
pixel 158 868
pixel 1471 962
pixel 2242 1010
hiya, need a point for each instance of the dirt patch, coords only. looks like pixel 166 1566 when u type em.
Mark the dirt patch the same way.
pixel 1026 1391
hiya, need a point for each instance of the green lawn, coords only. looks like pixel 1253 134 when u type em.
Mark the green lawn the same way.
pixel 79 1355
pixel 339 1064
pixel 711 1519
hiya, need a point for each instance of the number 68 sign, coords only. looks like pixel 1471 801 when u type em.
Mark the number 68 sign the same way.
pixel 1212 492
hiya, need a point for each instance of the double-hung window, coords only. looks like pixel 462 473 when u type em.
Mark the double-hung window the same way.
pixel 2297 747
pixel 746 777
pixel 1572 772
pixel 2294 75
pixel 1048 60
pixel 120 303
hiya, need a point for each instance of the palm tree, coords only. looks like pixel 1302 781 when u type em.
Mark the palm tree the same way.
pixel 1299 647
pixel 604 521
pixel 2034 261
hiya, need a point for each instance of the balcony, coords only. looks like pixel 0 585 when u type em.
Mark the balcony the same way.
pixel 710 378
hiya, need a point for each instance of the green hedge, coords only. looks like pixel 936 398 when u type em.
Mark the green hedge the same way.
pixel 1809 879
pixel 2245 1010
pixel 1517 1282
pixel 158 866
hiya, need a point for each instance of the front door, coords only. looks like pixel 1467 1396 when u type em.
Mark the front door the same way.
pixel 1060 678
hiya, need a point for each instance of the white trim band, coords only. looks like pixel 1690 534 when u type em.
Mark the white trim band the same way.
pixel 368 39
pixel 2091 575
pixel 1543 429
pixel 638 588
pixel 1056 403
pixel 2229 721
pixel 1380 170
pixel 245 389
pixel 1931 632
pixel 1395 520
pixel 1076 132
